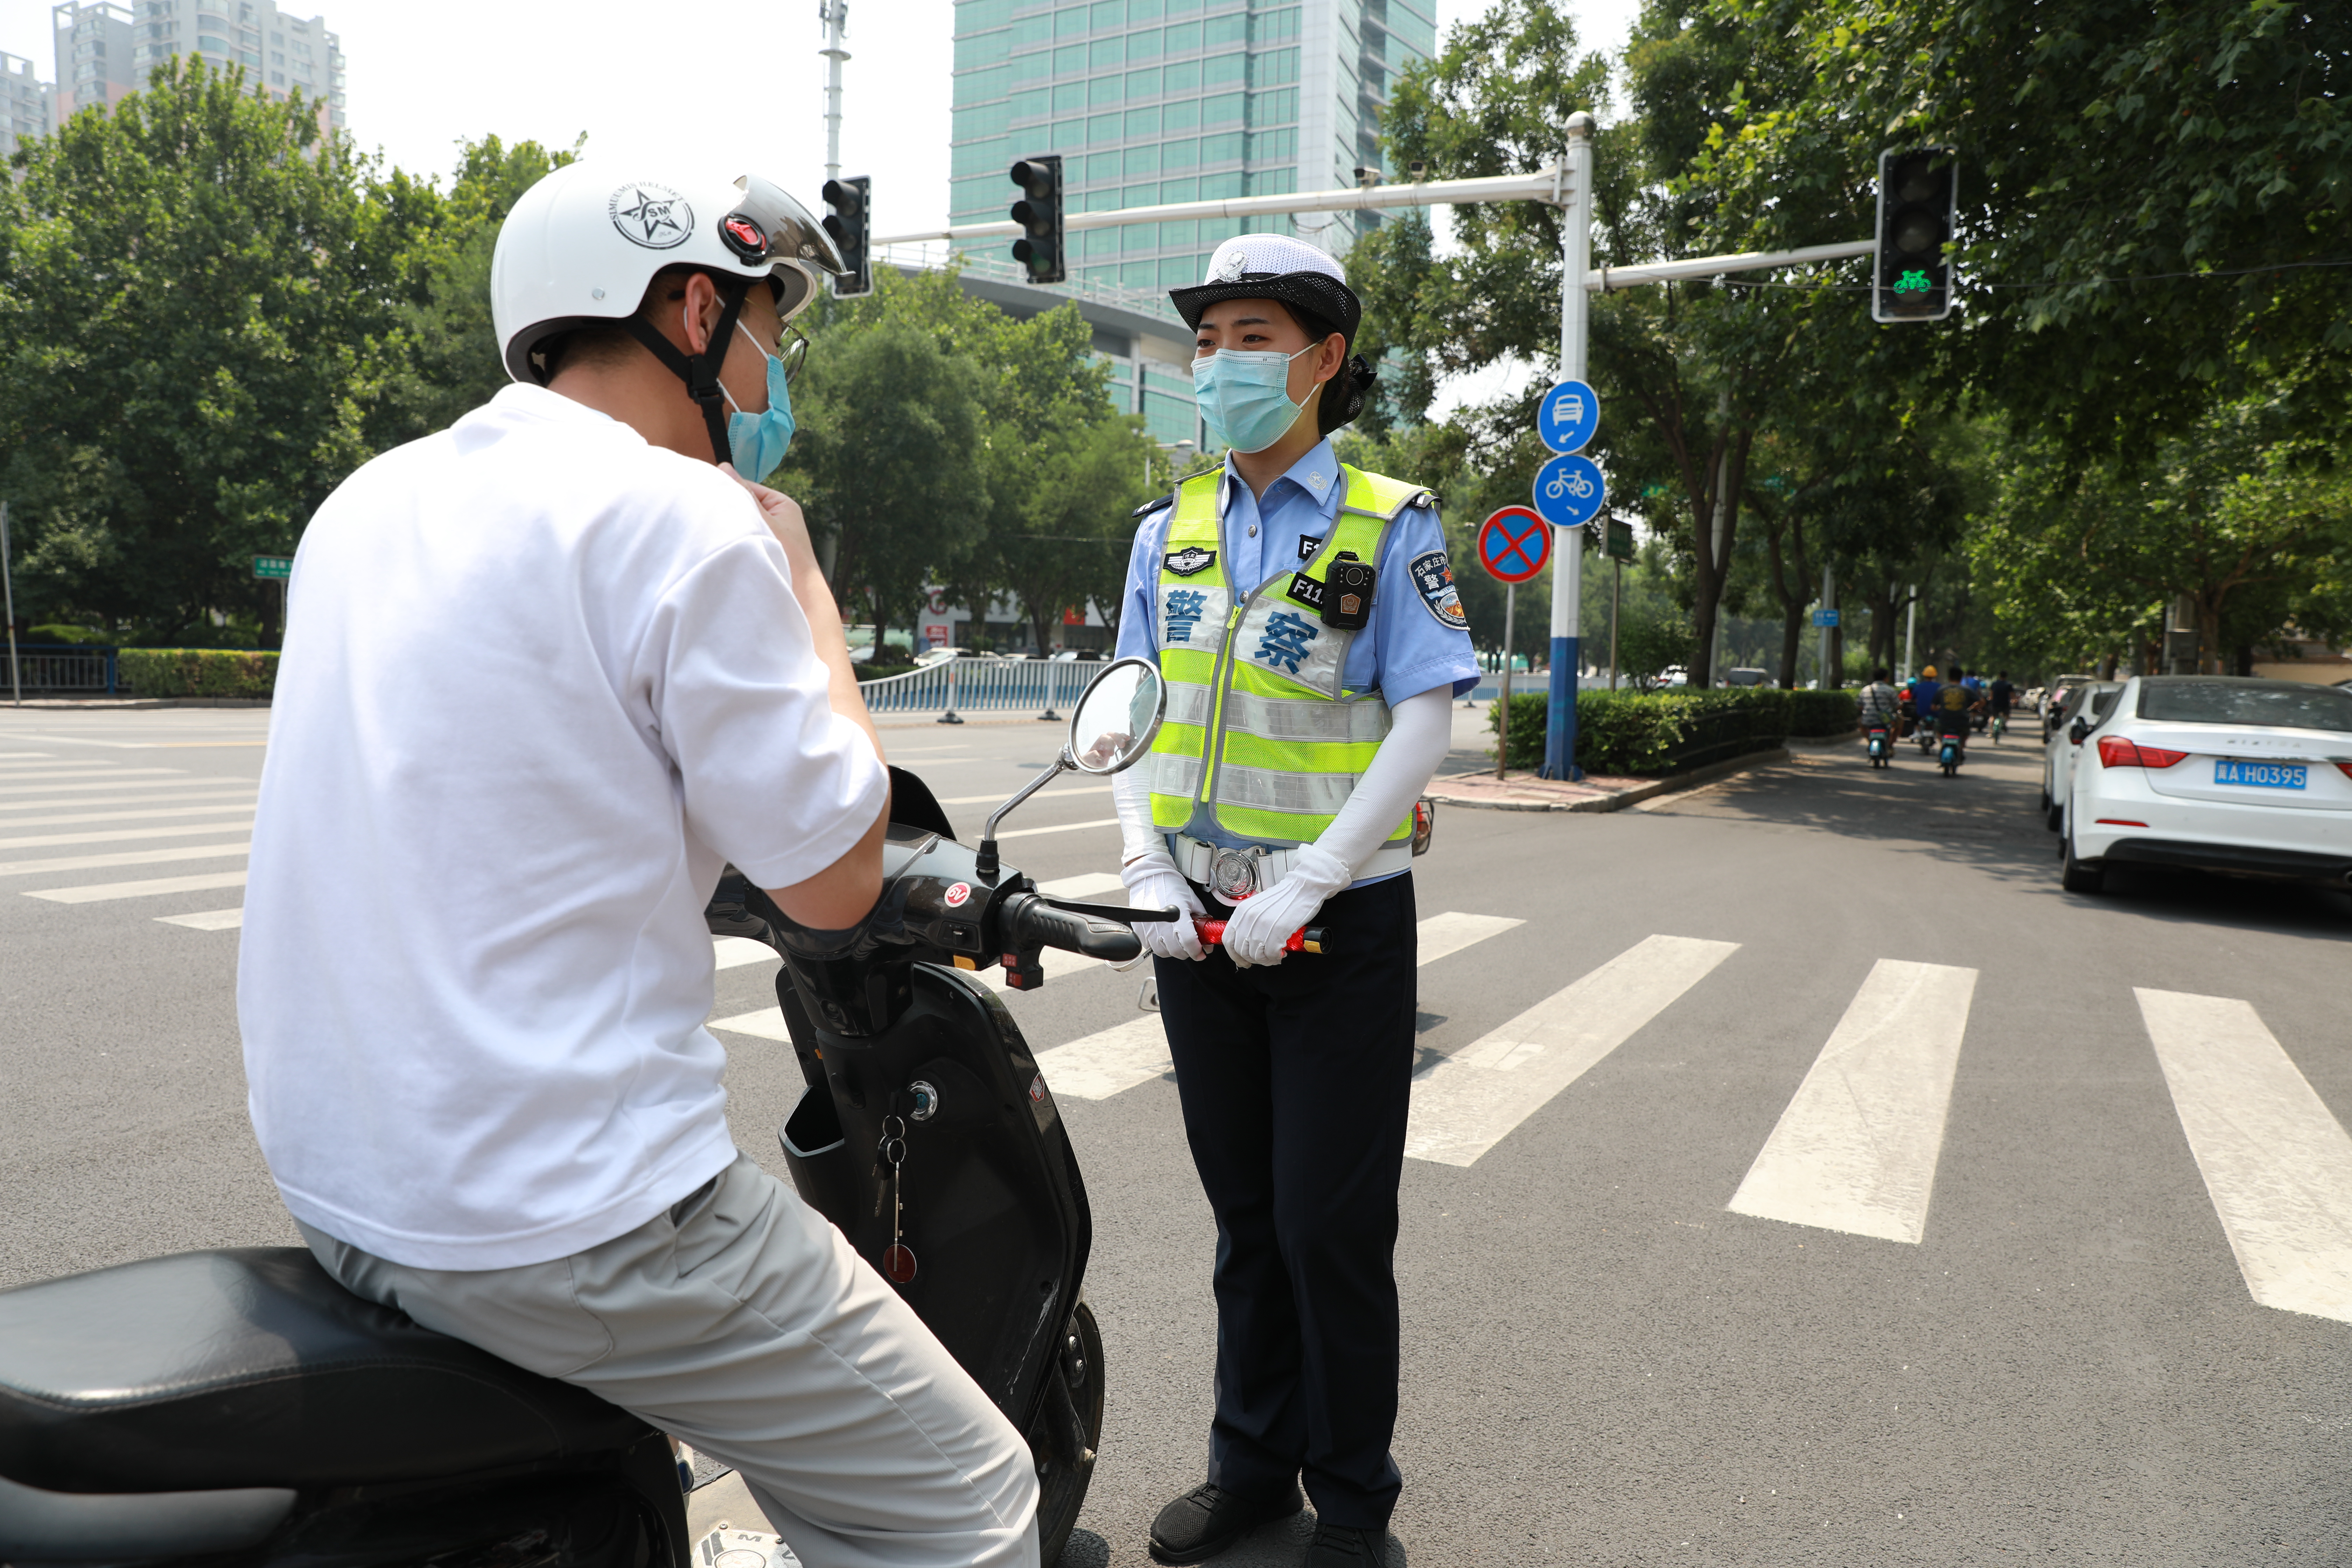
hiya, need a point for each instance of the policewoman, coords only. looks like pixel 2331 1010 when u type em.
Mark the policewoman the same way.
pixel 1304 616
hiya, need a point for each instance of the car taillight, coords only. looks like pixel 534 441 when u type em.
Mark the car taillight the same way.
pixel 2345 768
pixel 2115 752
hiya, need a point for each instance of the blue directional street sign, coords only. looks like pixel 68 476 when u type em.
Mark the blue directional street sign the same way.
pixel 1825 617
pixel 1567 416
pixel 1569 490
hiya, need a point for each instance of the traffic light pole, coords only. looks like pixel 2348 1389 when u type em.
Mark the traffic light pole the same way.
pixel 1568 543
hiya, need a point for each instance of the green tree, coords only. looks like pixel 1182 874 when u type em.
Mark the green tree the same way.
pixel 191 320
pixel 446 359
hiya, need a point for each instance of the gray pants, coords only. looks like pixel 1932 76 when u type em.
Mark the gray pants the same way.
pixel 741 1323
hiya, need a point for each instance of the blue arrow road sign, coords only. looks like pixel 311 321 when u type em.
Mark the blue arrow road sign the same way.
pixel 1569 490
pixel 1825 617
pixel 1567 416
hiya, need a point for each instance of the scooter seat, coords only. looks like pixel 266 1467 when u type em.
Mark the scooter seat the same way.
pixel 253 1368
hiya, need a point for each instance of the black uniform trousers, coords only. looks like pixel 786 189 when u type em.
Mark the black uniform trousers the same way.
pixel 1295 1080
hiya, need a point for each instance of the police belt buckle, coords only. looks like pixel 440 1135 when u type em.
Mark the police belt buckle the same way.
pixel 1234 874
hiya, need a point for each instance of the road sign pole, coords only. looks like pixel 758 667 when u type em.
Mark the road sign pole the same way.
pixel 1826 590
pixel 1567 574
pixel 1502 724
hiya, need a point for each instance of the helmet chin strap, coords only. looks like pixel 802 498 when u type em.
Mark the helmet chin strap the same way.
pixel 700 371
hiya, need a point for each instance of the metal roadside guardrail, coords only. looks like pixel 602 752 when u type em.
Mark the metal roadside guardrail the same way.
pixel 959 686
pixel 66 667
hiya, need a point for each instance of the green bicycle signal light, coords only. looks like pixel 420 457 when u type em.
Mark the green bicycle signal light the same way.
pixel 1918 206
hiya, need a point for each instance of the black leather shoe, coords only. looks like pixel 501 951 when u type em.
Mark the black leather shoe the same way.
pixel 1334 1547
pixel 1208 1518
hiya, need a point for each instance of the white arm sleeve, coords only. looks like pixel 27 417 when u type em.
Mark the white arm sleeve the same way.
pixel 1132 796
pixel 1420 733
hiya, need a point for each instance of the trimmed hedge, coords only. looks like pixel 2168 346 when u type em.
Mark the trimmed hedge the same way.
pixel 1629 733
pixel 196 672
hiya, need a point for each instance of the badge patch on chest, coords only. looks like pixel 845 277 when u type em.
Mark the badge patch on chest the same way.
pixel 1306 590
pixel 1432 578
pixel 1309 544
pixel 1189 561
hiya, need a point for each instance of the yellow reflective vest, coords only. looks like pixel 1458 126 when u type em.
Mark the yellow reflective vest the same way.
pixel 1260 739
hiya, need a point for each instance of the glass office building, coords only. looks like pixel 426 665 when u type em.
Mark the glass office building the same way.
pixel 1151 101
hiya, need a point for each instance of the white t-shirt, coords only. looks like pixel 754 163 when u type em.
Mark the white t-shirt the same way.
pixel 542 681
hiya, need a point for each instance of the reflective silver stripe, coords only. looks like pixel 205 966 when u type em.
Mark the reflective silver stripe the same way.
pixel 1191 703
pixel 1300 718
pixel 1174 774
pixel 1262 789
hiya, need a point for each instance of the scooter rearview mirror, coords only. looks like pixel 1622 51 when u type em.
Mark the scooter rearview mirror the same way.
pixel 1111 729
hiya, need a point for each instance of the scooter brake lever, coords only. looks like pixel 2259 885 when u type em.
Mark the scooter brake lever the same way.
pixel 1122 913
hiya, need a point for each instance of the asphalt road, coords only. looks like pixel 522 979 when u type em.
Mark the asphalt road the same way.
pixel 1607 1360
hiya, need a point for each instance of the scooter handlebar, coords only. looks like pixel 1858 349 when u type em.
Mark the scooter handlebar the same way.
pixel 1307 939
pixel 1032 922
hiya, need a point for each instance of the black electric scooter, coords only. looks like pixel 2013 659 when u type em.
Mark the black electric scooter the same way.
pixel 239 1409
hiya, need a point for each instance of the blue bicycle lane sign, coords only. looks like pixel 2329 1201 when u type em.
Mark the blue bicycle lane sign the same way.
pixel 1569 490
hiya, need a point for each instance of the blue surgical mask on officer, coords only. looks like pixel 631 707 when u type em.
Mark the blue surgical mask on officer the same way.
pixel 1245 398
pixel 757 441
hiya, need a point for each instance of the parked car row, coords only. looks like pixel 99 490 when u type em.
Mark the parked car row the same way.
pixel 2249 777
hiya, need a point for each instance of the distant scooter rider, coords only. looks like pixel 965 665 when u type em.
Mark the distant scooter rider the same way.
pixel 546 673
pixel 1953 705
pixel 1879 706
pixel 1923 702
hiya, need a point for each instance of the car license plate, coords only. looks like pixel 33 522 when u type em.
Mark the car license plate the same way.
pixel 2262 775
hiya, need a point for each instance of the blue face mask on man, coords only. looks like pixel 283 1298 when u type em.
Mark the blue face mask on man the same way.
pixel 1245 398
pixel 757 441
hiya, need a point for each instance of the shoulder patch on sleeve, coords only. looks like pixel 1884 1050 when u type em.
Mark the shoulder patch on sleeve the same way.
pixel 1433 579
pixel 1148 507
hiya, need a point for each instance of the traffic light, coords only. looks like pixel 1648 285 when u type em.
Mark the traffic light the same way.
pixel 1917 201
pixel 851 223
pixel 1041 249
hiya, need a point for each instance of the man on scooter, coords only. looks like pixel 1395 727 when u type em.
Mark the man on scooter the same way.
pixel 1953 704
pixel 545 673
pixel 1880 707
pixel 1305 620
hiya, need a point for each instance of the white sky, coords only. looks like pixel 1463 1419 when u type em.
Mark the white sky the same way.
pixel 711 89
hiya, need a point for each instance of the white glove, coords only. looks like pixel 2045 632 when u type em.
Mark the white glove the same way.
pixel 1154 883
pixel 1259 929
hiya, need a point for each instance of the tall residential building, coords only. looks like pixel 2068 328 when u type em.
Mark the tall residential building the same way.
pixel 1175 100
pixel 105 50
pixel 27 106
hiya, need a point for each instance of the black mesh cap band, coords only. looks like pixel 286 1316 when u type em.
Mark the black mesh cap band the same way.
pixel 1325 296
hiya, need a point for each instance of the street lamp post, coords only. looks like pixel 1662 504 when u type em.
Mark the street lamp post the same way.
pixel 1568 554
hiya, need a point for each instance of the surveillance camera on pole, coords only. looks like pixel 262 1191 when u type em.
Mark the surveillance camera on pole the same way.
pixel 1918 204
pixel 1041 248
pixel 851 223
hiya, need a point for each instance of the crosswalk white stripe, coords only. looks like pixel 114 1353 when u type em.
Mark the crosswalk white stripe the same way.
pixel 68 818
pixel 1441 936
pixel 207 920
pixel 143 799
pixel 735 952
pixel 118 834
pixel 99 773
pixel 24 754
pixel 1041 794
pixel 1465 1104
pixel 98 891
pixel 128 858
pixel 1113 1060
pixel 1060 827
pixel 1856 1149
pixel 2277 1165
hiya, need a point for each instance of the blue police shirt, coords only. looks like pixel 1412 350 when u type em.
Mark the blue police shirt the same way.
pixel 1408 647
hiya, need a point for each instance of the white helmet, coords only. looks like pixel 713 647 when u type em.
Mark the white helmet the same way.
pixel 581 246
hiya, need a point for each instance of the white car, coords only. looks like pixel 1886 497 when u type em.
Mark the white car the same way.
pixel 2217 773
pixel 2091 702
